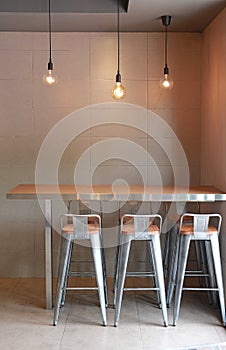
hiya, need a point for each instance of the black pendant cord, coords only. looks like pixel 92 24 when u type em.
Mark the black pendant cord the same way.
pixel 50 35
pixel 166 45
pixel 118 71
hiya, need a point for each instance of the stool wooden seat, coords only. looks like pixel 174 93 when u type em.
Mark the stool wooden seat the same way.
pixel 92 228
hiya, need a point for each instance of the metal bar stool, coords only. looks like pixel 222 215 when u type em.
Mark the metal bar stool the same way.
pixel 174 211
pixel 201 227
pixel 86 207
pixel 133 208
pixel 81 227
pixel 140 228
pixel 203 259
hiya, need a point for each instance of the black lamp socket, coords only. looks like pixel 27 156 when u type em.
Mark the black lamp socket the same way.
pixel 118 78
pixel 166 20
pixel 50 65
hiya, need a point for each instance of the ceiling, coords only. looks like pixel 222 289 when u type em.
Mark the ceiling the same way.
pixel 100 15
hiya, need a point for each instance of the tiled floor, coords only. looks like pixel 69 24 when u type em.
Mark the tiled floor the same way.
pixel 25 324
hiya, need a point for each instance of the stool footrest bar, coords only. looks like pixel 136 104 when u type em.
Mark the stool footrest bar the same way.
pixel 196 274
pixel 81 274
pixel 140 274
pixel 82 288
pixel 204 289
pixel 128 289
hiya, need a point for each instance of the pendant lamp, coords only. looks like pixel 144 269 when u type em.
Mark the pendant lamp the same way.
pixel 166 82
pixel 118 91
pixel 50 78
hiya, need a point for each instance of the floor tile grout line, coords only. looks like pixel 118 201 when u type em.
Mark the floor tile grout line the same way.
pixel 65 325
pixel 139 321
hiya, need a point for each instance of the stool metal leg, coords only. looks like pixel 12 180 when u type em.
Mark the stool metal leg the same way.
pixel 211 282
pixel 200 260
pixel 98 262
pixel 103 262
pixel 151 261
pixel 172 272
pixel 218 271
pixel 65 256
pixel 67 275
pixel 166 253
pixel 115 282
pixel 159 273
pixel 124 249
pixel 104 277
pixel 184 243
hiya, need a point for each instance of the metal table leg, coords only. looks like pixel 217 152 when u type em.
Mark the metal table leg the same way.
pixel 48 255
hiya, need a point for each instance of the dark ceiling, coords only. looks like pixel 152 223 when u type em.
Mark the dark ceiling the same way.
pixel 65 6
pixel 100 15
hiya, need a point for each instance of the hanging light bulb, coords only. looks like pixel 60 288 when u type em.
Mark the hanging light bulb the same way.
pixel 118 91
pixel 50 78
pixel 166 82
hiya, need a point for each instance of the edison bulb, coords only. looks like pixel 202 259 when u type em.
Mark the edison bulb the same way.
pixel 166 82
pixel 118 91
pixel 50 78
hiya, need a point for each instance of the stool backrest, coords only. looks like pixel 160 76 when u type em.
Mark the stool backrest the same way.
pixel 142 222
pixel 201 223
pixel 80 223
